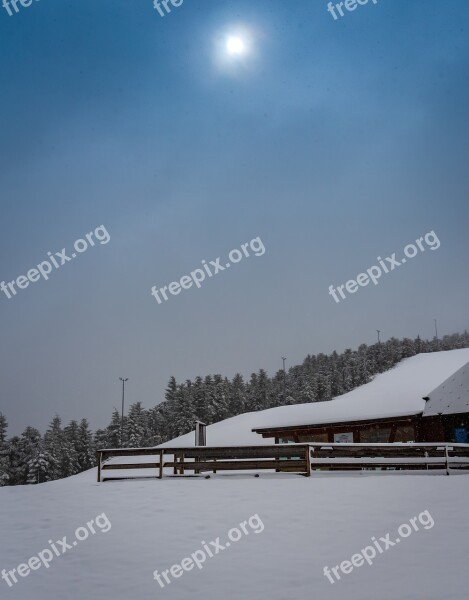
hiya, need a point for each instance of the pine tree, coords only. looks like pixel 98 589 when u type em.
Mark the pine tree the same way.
pixel 182 412
pixel 101 439
pixel 114 431
pixel 237 396
pixel 4 452
pixel 85 447
pixel 137 426
pixel 22 450
pixel 199 400
pixel 42 466
pixel 70 461
pixel 156 425
pixel 57 448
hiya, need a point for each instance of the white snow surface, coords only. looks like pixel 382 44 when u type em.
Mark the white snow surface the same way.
pixel 308 523
pixel 397 392
pixel 452 396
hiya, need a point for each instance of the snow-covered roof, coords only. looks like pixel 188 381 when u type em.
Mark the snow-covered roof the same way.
pixel 452 396
pixel 397 392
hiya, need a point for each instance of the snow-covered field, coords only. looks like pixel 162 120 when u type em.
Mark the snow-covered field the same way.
pixel 309 523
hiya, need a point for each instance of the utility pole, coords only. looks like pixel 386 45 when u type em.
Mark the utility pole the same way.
pixel 436 329
pixel 284 380
pixel 122 414
pixel 379 331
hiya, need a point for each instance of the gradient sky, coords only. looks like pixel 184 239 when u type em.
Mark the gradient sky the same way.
pixel 334 141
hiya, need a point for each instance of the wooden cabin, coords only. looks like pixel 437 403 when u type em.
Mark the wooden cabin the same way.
pixel 443 417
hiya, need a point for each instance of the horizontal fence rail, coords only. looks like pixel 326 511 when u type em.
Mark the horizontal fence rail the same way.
pixel 287 458
pixel 396 456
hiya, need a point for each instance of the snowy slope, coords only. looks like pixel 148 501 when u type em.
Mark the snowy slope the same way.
pixel 396 392
pixel 309 523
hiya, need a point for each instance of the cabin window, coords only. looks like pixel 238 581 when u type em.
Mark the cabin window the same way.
pixel 375 435
pixel 314 437
pixel 343 438
pixel 405 433
pixel 288 439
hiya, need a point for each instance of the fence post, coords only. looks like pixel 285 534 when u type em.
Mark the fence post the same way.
pixel 100 454
pixel 447 461
pixel 308 462
pixel 160 476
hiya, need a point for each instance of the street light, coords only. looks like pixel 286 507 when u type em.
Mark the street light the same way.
pixel 122 414
pixel 284 380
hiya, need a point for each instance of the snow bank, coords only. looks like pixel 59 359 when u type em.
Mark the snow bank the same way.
pixel 309 523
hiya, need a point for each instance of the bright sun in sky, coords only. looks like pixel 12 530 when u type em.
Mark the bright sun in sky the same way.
pixel 235 45
pixel 235 49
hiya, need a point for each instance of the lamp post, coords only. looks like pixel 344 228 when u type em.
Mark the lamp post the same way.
pixel 122 414
pixel 284 380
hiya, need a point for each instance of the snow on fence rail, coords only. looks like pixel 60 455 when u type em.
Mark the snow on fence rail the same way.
pixel 293 458
pixel 395 456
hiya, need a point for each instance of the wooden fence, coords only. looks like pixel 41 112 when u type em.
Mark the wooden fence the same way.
pixel 290 458
pixel 429 457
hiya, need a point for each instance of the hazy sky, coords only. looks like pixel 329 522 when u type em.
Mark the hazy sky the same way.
pixel 334 141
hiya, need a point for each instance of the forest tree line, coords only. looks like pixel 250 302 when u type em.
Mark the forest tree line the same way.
pixel 67 450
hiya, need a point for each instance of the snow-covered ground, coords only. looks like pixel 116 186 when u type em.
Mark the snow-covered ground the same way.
pixel 308 524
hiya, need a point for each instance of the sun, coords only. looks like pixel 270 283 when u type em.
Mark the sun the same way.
pixel 235 45
pixel 235 49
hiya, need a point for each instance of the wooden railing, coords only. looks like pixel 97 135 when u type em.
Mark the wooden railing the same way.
pixel 290 458
pixel 430 457
pixel 106 455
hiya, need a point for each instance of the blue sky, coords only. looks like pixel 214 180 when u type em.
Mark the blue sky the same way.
pixel 334 141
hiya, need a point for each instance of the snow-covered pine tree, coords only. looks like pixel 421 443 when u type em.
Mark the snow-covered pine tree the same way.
pixel 137 426
pixel 22 449
pixel 41 466
pixel 70 462
pixel 221 398
pixel 237 396
pixel 85 447
pixel 101 439
pixel 114 430
pixel 182 412
pixel 199 400
pixel 156 426
pixel 56 447
pixel 4 452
